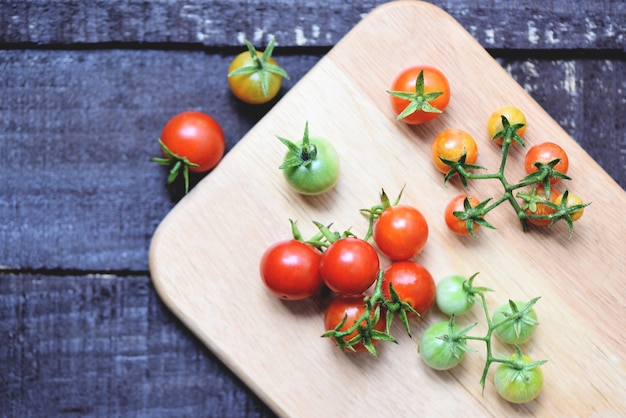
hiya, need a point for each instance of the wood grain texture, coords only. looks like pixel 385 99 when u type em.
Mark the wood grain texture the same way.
pixel 526 24
pixel 70 127
pixel 351 107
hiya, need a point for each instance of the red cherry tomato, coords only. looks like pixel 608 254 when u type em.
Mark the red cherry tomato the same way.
pixel 434 82
pixel 197 137
pixel 455 224
pixel 349 266
pixel 290 269
pixel 400 232
pixel 544 153
pixel 412 282
pixel 352 308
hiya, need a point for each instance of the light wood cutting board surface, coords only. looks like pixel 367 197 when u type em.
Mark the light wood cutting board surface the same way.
pixel 204 256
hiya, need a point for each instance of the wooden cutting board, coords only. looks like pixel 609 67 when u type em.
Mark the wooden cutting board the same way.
pixel 204 256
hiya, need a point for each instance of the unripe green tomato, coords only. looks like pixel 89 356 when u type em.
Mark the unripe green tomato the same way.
pixel 320 174
pixel 438 350
pixel 451 296
pixel 520 329
pixel 518 386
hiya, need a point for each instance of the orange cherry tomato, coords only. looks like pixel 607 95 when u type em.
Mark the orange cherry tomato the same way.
pixel 452 144
pixel 456 225
pixel 544 153
pixel 434 82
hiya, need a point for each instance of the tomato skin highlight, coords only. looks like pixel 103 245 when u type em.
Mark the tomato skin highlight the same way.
pixel 434 81
pixel 290 269
pixel 513 114
pixel 412 282
pixel 518 386
pixel 196 136
pixel 544 153
pixel 349 266
pixel 455 224
pixel 320 174
pixel 400 232
pixel 352 307
pixel 452 144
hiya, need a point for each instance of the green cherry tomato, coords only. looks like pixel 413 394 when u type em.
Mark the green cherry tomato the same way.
pixel 452 296
pixel 521 324
pixel 440 346
pixel 519 382
pixel 312 167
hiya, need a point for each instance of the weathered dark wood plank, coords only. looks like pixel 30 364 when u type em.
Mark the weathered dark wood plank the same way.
pixel 77 130
pixel 526 24
pixel 106 346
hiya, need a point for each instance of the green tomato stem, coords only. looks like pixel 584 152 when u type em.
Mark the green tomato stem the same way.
pixel 509 134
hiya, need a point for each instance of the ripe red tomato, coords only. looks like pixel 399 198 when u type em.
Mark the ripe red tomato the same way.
pixel 420 97
pixel 412 282
pixel 197 137
pixel 400 232
pixel 290 269
pixel 452 144
pixel 513 115
pixel 455 224
pixel 544 153
pixel 352 308
pixel 349 266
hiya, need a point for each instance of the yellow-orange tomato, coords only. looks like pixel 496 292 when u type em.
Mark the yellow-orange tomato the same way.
pixel 452 144
pixel 513 115
pixel 572 200
pixel 254 77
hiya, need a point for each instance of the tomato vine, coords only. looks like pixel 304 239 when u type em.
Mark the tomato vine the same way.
pixel 544 175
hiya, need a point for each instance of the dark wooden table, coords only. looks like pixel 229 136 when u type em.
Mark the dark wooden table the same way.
pixel 85 88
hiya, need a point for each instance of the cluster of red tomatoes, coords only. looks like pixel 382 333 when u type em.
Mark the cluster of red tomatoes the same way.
pixel 421 93
pixel 350 266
